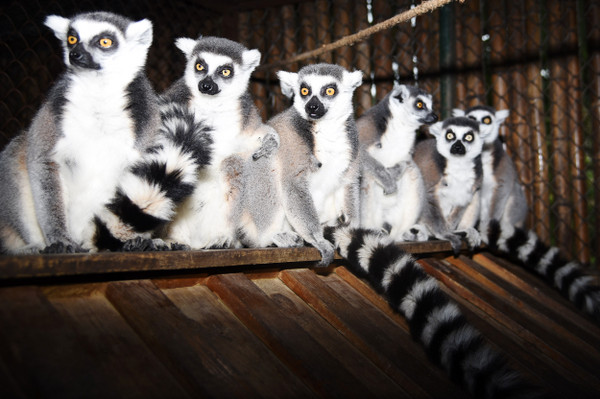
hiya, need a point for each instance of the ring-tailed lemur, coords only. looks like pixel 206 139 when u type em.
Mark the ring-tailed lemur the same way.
pixel 316 161
pixel 151 190
pixel 313 180
pixel 435 321
pixel 502 196
pixel 214 88
pixel 98 119
pixel 503 213
pixel 451 169
pixel 387 134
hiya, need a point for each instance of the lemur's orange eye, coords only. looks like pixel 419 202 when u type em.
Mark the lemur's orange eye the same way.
pixel 199 67
pixel 105 42
pixel 304 91
pixel 420 104
pixel 71 40
pixel 226 72
pixel 330 91
pixel 487 120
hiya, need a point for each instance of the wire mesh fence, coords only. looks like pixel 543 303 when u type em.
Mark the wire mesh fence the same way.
pixel 539 59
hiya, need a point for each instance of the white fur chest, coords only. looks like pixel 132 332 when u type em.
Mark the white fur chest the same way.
pixel 396 143
pixel 457 186
pixel 333 150
pixel 225 120
pixel 96 145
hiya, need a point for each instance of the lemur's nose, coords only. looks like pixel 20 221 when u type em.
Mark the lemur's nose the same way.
pixel 208 86
pixel 76 55
pixel 313 107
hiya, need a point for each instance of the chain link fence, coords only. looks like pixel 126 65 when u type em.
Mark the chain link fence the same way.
pixel 539 59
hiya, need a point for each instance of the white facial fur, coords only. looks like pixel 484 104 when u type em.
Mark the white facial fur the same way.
pixel 412 109
pixel 230 88
pixel 447 136
pixel 127 55
pixel 489 123
pixel 291 85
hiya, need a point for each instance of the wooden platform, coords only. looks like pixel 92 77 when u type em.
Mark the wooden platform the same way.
pixel 264 323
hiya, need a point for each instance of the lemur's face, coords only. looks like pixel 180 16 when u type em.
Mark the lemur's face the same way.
pixel 316 95
pixel 413 105
pixel 214 73
pixel 457 138
pixel 322 91
pixel 488 119
pixel 217 68
pixel 102 42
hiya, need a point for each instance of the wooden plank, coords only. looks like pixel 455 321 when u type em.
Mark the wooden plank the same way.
pixel 43 353
pixel 124 361
pixel 104 263
pixel 177 341
pixel 538 291
pixel 519 357
pixel 366 291
pixel 362 368
pixel 530 366
pixel 28 266
pixel 545 327
pixel 360 322
pixel 301 352
pixel 477 297
pixel 259 367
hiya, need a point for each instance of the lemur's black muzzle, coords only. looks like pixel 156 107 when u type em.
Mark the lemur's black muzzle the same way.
pixel 429 119
pixel 80 57
pixel 458 148
pixel 208 86
pixel 314 108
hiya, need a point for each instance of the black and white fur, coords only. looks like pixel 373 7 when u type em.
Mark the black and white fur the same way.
pixel 525 248
pixel 502 218
pixel 151 190
pixel 435 321
pixel 98 119
pixel 502 195
pixel 452 172
pixel 313 180
pixel 392 188
pixel 214 88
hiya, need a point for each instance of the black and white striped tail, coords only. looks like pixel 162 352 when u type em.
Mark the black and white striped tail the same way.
pixel 435 321
pixel 150 191
pixel 570 277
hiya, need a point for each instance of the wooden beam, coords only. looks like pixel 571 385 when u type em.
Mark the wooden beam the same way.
pixel 63 265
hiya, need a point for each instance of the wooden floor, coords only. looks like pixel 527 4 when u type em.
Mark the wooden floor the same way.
pixel 252 323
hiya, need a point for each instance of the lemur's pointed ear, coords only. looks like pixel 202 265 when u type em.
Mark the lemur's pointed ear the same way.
pixel 59 25
pixel 458 112
pixel 186 45
pixel 251 59
pixel 436 129
pixel 353 79
pixel 287 81
pixel 141 31
pixel 501 115
pixel 400 91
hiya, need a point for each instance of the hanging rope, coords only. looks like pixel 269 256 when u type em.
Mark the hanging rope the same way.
pixel 350 40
